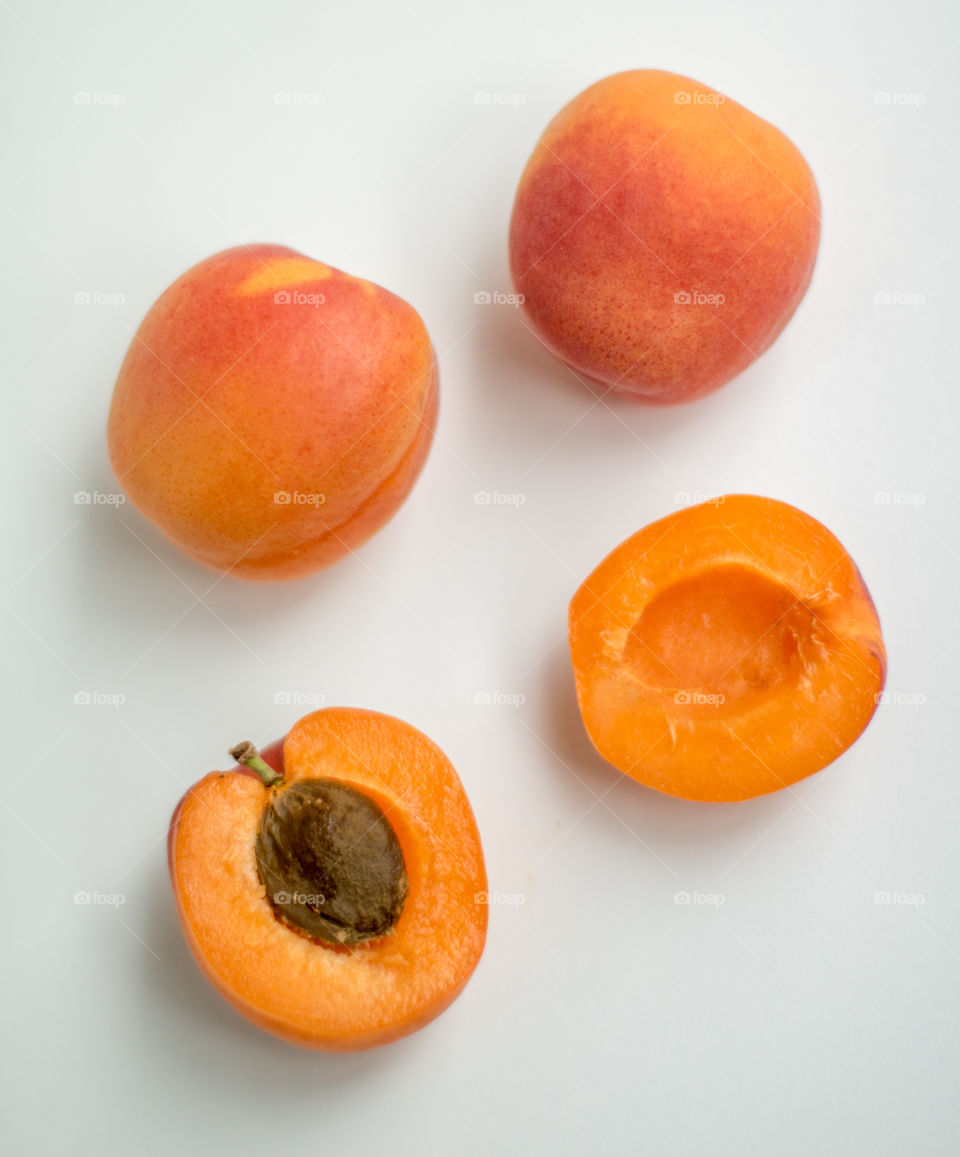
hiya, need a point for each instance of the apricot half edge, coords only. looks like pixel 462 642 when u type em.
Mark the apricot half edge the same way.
pixel 354 989
pixel 726 651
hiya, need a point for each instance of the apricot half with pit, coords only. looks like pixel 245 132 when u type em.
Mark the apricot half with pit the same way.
pixel 273 412
pixel 333 887
pixel 662 235
pixel 727 650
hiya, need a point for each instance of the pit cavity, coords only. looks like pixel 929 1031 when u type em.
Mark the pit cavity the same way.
pixel 727 632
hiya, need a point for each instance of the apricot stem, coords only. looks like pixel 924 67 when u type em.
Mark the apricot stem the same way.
pixel 247 754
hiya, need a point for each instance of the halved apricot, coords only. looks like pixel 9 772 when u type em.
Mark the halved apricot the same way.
pixel 337 896
pixel 727 650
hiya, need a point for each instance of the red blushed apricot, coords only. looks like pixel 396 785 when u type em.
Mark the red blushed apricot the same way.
pixel 662 235
pixel 375 915
pixel 273 412
pixel 727 650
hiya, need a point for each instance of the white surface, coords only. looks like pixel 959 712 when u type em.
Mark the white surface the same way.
pixel 800 1016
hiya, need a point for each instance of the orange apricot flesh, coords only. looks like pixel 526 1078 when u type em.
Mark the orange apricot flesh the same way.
pixel 308 993
pixel 727 650
pixel 273 412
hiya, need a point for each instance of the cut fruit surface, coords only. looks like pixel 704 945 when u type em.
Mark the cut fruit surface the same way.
pixel 335 997
pixel 726 650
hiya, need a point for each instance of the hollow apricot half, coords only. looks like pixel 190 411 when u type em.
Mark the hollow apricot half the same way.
pixel 353 803
pixel 726 651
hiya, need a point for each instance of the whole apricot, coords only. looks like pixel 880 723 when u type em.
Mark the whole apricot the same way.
pixel 662 235
pixel 273 412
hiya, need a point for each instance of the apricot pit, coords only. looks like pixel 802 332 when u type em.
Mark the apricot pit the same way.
pixel 330 862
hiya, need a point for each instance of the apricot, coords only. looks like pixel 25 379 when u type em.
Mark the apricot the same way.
pixel 333 888
pixel 727 650
pixel 662 235
pixel 273 412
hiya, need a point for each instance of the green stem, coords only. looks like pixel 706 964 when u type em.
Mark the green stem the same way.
pixel 247 754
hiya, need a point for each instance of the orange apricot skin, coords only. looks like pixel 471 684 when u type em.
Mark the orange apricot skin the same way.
pixel 662 236
pixel 306 993
pixel 697 749
pixel 272 412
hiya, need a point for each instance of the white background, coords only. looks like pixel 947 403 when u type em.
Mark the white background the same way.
pixel 800 1015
